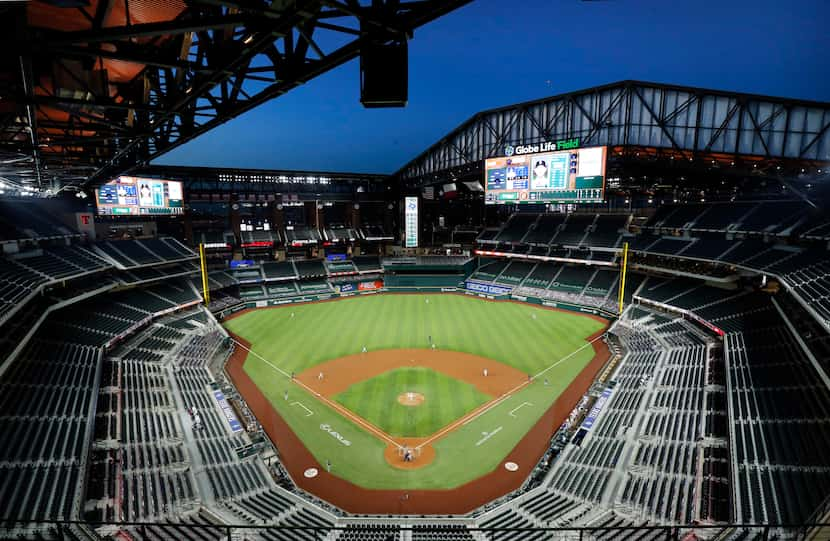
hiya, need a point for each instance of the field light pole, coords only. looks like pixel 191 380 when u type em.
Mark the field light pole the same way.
pixel 622 275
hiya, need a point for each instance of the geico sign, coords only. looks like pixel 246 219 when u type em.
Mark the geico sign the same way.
pixel 334 434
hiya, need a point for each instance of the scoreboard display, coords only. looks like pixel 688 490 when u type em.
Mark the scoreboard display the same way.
pixel 546 173
pixel 136 196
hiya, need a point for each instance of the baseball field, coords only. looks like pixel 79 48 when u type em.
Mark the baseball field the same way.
pixel 453 381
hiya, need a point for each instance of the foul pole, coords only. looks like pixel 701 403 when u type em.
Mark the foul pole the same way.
pixel 623 270
pixel 205 289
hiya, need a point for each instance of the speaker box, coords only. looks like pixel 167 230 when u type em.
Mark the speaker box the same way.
pixel 384 74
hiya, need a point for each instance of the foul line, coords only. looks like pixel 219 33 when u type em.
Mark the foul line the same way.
pixel 334 405
pixel 472 416
pixel 569 355
pixel 488 436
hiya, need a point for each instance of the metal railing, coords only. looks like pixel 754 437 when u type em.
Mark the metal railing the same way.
pixel 69 529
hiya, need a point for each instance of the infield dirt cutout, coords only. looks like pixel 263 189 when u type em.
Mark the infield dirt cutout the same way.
pixel 339 374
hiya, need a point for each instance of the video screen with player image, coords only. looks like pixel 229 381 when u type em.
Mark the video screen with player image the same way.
pixel 565 176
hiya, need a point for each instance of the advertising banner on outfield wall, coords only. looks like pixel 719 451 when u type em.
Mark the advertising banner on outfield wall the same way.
pixel 370 285
pixel 488 289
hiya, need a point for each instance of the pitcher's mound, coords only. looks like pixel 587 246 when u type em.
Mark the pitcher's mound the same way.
pixel 411 399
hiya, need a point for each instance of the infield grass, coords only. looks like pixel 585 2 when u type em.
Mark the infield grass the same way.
pixel 445 400
pixel 526 337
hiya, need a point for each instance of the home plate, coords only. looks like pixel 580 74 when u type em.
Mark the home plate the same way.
pixel 511 466
pixel 310 473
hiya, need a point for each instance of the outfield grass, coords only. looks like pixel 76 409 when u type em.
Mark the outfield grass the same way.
pixel 502 331
pixel 445 400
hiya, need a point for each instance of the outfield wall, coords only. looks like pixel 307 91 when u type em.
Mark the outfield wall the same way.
pixel 247 305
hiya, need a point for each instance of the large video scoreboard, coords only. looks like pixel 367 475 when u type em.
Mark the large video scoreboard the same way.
pixel 136 196
pixel 550 172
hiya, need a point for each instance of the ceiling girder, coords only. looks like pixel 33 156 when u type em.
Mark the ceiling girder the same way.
pixel 215 61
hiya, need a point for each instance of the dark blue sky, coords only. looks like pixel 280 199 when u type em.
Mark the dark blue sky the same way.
pixel 492 53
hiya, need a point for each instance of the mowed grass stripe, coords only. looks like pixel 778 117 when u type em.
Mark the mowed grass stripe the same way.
pixel 501 331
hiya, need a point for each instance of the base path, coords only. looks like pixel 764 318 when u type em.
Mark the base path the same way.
pixel 340 374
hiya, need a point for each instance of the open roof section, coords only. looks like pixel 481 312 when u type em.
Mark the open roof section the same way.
pixel 95 88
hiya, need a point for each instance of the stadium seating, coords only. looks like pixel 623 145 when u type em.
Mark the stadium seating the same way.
pixel 22 219
pixel 247 274
pixel 313 286
pixel 301 234
pixel 367 263
pixel 515 272
pixel 251 292
pixel 134 253
pixel 516 227
pixel 745 217
pixel 340 233
pixel 393 281
pixel 545 228
pixel 170 467
pixel 47 403
pixel 777 412
pixel 709 247
pixel 606 231
pixel 267 238
pixel 341 267
pixel 572 278
pixel 374 232
pixel 17 282
pixel 441 532
pixel 161 272
pixel 273 270
pixel 648 432
pixel 24 275
pixel 310 269
pixel 489 270
pixel 574 230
